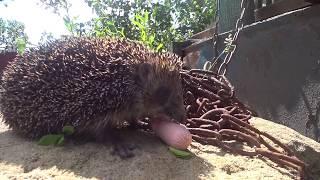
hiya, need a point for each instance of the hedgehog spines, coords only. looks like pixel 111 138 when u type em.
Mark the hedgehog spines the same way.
pixel 83 82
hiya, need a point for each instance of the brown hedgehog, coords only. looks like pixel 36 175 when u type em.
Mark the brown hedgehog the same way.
pixel 92 84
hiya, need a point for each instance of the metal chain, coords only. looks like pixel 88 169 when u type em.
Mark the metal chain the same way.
pixel 239 25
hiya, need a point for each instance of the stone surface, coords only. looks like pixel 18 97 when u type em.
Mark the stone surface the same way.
pixel 21 158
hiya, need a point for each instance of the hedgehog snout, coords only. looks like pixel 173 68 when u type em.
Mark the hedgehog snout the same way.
pixel 180 116
pixel 173 113
pixel 176 112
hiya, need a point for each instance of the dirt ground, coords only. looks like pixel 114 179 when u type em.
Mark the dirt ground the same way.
pixel 24 159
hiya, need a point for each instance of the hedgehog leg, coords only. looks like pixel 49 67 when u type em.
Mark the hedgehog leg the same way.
pixel 121 148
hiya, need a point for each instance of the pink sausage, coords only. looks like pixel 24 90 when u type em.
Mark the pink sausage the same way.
pixel 173 134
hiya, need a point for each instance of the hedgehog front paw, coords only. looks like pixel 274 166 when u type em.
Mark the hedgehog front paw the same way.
pixel 121 147
pixel 123 150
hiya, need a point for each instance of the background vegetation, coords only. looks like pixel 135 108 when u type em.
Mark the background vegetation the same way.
pixel 12 35
pixel 155 23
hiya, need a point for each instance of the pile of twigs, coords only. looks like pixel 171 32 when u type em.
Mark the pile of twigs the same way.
pixel 216 117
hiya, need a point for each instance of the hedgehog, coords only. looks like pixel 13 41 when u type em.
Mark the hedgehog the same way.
pixel 96 85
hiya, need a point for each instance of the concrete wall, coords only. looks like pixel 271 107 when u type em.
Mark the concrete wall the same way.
pixel 276 68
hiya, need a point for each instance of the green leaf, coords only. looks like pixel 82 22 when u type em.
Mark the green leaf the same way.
pixel 138 24
pixel 151 39
pixel 159 47
pixel 50 139
pixel 21 45
pixel 180 153
pixel 60 141
pixel 168 20
pixel 143 36
pixel 122 33
pixel 68 130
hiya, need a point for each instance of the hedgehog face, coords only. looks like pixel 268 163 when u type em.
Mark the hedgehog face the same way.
pixel 162 92
pixel 167 101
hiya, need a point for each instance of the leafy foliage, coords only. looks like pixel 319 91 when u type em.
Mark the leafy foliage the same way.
pixel 167 20
pixel 183 154
pixel 155 23
pixel 51 139
pixel 56 5
pixel 12 35
pixel 56 139
pixel 68 130
pixel 194 15
pixel 21 45
pixel 45 36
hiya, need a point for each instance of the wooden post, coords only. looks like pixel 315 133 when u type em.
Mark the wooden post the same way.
pixel 249 17
pixel 258 4
pixel 268 2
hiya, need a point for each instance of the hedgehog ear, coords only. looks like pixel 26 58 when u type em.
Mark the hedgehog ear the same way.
pixel 144 72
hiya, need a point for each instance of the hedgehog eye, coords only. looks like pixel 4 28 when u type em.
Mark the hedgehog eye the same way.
pixel 162 95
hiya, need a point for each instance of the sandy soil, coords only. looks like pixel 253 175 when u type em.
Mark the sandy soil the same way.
pixel 24 159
